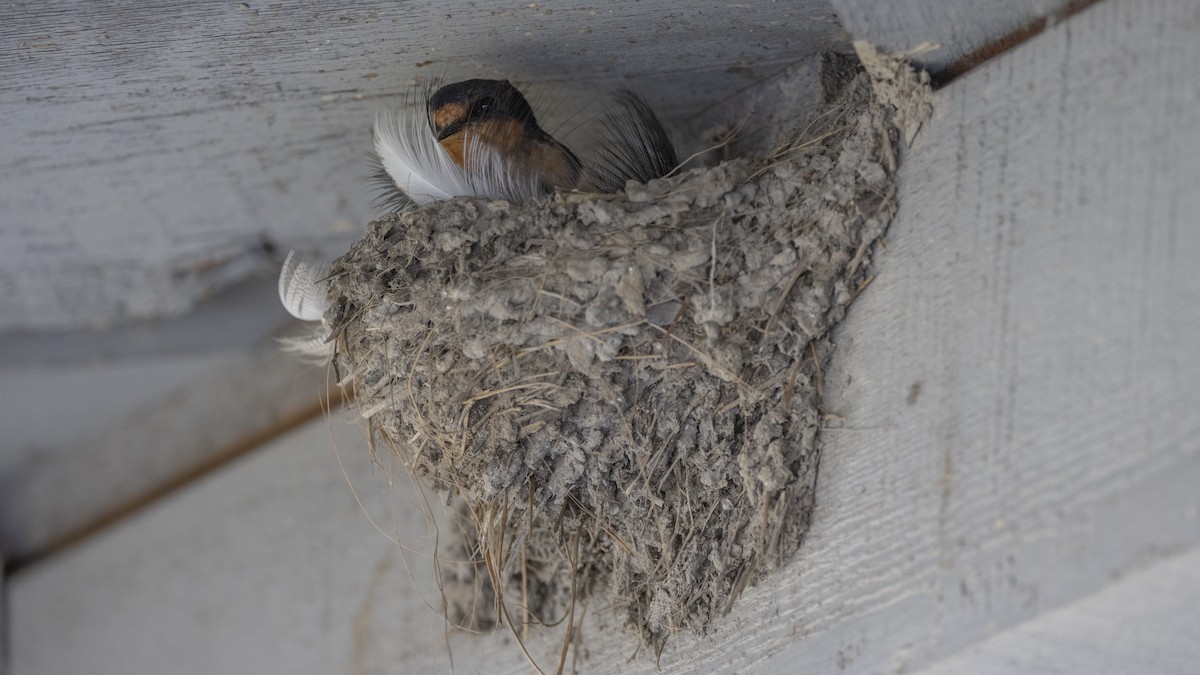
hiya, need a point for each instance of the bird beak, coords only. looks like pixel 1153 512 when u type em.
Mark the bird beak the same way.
pixel 447 131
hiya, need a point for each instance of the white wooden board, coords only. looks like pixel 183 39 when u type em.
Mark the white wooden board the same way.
pixel 956 29
pixel 271 567
pixel 168 419
pixel 1146 623
pixel 85 414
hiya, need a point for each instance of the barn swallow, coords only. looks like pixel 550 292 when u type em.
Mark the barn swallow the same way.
pixel 491 116
pixel 482 138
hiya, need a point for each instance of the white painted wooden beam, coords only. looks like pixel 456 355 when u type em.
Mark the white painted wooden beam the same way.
pixel 962 32
pixel 1145 623
pixel 192 415
pixel 271 567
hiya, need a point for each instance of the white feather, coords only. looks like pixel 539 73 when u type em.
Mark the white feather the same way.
pixel 302 288
pixel 415 162
pixel 312 344
pixel 419 167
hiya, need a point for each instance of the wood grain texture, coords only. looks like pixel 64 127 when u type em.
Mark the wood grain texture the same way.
pixel 958 29
pixel 268 568
pixel 152 148
pixel 94 420
pixel 193 424
pixel 1145 623
pixel 1020 412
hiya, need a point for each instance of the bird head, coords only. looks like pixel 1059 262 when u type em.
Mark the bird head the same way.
pixel 474 104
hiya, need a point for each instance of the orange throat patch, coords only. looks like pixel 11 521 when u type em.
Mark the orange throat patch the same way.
pixel 508 139
pixel 503 136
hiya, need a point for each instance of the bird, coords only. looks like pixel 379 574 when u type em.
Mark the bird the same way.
pixel 482 138
pixel 492 116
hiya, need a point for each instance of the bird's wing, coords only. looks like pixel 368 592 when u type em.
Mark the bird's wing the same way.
pixel 630 144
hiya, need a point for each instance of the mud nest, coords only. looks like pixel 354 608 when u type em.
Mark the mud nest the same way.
pixel 622 391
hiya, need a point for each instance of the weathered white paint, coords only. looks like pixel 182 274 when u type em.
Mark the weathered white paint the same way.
pixel 86 413
pixel 1021 423
pixel 190 411
pixel 1146 623
pixel 271 567
pixel 957 28
pixel 150 148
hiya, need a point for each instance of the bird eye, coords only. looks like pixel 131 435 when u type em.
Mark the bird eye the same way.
pixel 484 105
